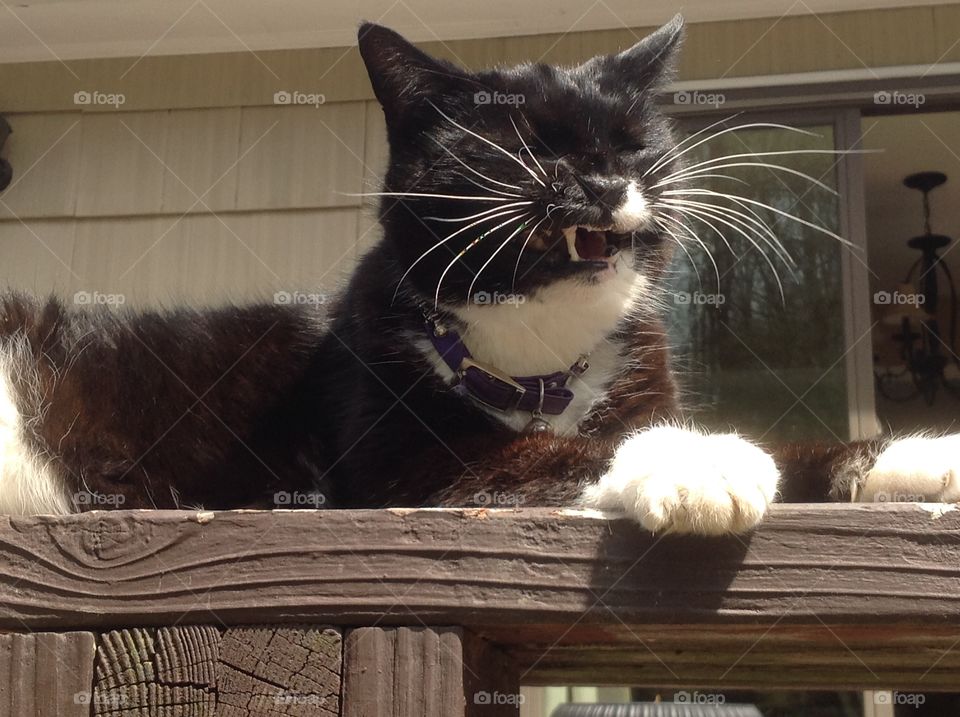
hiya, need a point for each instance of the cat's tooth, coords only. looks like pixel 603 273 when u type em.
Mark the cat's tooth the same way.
pixel 570 234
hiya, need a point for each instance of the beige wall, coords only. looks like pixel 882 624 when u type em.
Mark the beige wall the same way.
pixel 199 188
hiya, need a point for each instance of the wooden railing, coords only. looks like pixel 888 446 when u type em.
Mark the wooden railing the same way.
pixel 444 613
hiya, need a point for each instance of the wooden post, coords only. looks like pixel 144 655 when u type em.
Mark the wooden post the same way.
pixel 46 674
pixel 426 672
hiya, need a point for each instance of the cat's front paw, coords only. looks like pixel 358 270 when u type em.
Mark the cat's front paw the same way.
pixel 673 479
pixel 913 470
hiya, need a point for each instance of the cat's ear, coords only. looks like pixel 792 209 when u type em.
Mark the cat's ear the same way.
pixel 404 78
pixel 652 60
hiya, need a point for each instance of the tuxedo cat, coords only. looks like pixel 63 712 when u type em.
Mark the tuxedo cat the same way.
pixel 502 344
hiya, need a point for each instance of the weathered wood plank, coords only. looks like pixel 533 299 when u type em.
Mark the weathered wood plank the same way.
pixel 279 671
pixel 142 672
pixel 199 671
pixel 842 596
pixel 425 672
pixel 856 564
pixel 46 674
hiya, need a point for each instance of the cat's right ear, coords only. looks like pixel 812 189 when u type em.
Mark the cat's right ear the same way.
pixel 404 78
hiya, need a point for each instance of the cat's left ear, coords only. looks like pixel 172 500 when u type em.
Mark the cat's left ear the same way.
pixel 405 79
pixel 652 60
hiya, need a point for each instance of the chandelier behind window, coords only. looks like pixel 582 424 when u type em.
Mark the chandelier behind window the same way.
pixel 926 348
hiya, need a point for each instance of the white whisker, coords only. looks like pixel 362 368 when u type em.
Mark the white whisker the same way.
pixel 693 235
pixel 746 235
pixel 787 215
pixel 471 169
pixel 665 228
pixel 436 301
pixel 672 152
pixel 490 142
pixel 752 221
pixel 492 257
pixel 673 179
pixel 478 214
pixel 751 125
pixel 499 192
pixel 526 147
pixel 422 195
pixel 513 283
pixel 448 238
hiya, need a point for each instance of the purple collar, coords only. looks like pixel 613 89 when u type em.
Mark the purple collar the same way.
pixel 546 393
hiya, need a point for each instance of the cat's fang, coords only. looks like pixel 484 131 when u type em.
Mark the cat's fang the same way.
pixel 570 234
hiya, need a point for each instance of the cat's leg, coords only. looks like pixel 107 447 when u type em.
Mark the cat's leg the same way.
pixel 28 481
pixel 670 478
pixel 665 477
pixel 915 468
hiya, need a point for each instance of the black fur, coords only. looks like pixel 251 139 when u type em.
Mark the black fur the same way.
pixel 226 408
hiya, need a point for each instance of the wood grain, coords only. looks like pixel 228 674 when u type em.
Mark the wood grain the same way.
pixel 835 595
pixel 199 671
pixel 425 672
pixel 46 674
pixel 279 671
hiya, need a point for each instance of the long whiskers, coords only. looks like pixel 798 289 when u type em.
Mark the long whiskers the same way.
pixel 494 256
pixel 513 283
pixel 516 212
pixel 491 143
pixel 471 245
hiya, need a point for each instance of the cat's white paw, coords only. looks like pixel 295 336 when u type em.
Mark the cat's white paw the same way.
pixel 915 469
pixel 673 479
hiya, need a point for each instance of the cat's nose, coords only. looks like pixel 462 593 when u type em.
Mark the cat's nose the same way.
pixel 607 192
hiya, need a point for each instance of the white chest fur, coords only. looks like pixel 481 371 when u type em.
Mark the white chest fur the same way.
pixel 548 332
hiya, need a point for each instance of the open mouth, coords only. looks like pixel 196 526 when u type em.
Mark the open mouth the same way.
pixel 591 244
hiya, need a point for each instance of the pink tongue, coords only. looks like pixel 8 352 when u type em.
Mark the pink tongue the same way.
pixel 591 246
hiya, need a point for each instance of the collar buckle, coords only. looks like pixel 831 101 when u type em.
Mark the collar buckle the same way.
pixel 512 401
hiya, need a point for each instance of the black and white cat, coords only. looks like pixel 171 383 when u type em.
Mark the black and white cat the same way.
pixel 504 338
